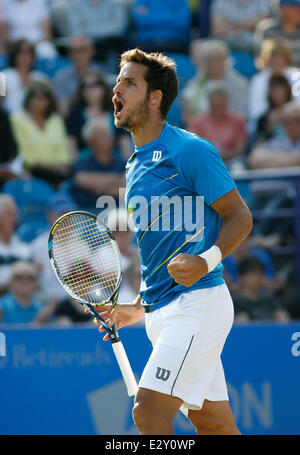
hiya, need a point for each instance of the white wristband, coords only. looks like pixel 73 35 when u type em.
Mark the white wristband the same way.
pixel 212 256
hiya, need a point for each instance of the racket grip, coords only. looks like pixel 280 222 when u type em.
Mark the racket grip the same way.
pixel 125 367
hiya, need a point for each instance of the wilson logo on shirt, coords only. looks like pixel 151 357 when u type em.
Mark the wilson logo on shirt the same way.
pixel 156 155
pixel 162 374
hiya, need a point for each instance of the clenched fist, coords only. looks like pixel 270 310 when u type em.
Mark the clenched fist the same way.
pixel 186 269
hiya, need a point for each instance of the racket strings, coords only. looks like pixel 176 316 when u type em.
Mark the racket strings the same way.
pixel 85 259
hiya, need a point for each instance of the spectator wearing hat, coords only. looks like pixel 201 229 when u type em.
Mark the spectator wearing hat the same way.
pixel 224 128
pixel 284 25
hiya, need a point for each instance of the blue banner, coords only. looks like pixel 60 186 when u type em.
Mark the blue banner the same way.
pixel 66 381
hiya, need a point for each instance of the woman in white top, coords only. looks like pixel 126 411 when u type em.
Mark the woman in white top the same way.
pixel 19 73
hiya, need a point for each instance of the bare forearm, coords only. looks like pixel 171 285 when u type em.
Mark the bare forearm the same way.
pixel 262 159
pixel 235 228
pixel 223 27
pixel 96 182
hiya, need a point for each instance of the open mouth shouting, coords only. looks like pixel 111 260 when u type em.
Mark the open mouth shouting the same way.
pixel 118 106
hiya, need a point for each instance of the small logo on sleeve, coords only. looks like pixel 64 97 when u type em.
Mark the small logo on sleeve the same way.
pixel 162 374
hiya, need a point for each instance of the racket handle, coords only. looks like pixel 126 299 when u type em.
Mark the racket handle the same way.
pixel 125 367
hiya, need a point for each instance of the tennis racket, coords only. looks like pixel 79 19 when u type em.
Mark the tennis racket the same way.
pixel 86 261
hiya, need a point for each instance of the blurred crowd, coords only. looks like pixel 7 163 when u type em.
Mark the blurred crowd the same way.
pixel 238 64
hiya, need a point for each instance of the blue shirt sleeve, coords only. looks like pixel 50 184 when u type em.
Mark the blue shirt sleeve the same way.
pixel 202 167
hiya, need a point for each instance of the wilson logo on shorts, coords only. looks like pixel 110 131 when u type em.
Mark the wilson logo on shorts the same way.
pixel 162 374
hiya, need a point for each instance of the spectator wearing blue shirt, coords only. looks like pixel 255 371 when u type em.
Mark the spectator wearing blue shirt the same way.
pixel 20 305
pixel 162 26
pixel 101 173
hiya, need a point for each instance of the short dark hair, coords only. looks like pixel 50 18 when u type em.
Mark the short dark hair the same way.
pixel 277 80
pixel 250 264
pixel 106 102
pixel 160 74
pixel 45 88
pixel 14 49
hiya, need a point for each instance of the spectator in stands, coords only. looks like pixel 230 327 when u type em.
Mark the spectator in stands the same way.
pixel 275 59
pixel 211 59
pixel 105 22
pixel 272 195
pixel 252 301
pixel 19 73
pixel 282 151
pixel 65 82
pixel 161 26
pixel 41 135
pixel 269 124
pixel 49 287
pixel 225 129
pixel 20 304
pixel 29 20
pixel 102 173
pixel 284 25
pixel 93 100
pixel 246 250
pixel 235 21
pixel 12 248
pixel 8 146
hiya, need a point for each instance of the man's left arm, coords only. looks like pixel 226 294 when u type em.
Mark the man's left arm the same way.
pixel 186 269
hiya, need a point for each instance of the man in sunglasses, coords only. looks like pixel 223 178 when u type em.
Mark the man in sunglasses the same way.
pixel 19 304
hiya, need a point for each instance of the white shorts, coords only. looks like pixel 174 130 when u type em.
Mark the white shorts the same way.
pixel 188 336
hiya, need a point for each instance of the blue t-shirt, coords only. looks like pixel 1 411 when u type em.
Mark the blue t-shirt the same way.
pixel 14 313
pixel 171 183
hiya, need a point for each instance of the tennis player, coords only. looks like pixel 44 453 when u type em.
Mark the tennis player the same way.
pixel 187 306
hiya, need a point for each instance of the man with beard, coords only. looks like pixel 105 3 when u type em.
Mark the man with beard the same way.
pixel 187 307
